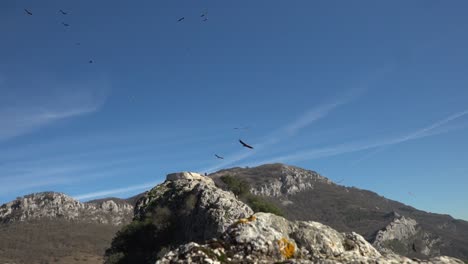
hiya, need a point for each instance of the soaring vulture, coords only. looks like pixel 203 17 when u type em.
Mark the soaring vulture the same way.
pixel 28 12
pixel 219 157
pixel 245 144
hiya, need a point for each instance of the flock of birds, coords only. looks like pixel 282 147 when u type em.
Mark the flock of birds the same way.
pixel 203 15
pixel 245 145
pixel 28 12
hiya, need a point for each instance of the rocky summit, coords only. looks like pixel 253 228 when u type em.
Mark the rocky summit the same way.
pixel 187 219
pixel 186 207
pixel 54 205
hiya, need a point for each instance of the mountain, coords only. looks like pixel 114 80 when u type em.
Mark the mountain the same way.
pixel 391 226
pixel 52 227
pixel 189 208
pixel 187 219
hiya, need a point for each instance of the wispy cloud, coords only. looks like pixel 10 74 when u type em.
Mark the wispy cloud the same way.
pixel 25 110
pixel 123 190
pixel 433 129
pixel 289 130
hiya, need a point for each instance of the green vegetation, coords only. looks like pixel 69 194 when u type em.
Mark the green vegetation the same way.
pixel 241 188
pixel 238 187
pixel 142 241
pixel 150 236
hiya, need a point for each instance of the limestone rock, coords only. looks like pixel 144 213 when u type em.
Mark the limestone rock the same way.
pixel 187 207
pixel 267 238
pixel 60 206
pixel 189 176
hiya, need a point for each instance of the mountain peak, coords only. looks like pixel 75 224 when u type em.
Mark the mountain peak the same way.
pixel 54 205
pixel 275 179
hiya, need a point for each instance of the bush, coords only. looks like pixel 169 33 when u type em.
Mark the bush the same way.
pixel 237 186
pixel 258 204
pixel 241 188
pixel 142 241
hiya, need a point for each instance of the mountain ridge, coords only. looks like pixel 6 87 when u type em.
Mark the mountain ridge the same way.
pixel 349 208
pixel 300 194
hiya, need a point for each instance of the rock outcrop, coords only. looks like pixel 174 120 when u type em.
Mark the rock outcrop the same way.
pixel 187 207
pixel 266 238
pixel 404 234
pixel 54 205
pixel 203 206
pixel 287 180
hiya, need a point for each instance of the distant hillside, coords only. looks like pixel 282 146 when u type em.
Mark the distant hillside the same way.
pixel 306 195
pixel 55 228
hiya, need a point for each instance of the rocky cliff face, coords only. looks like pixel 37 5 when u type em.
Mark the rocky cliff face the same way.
pixel 404 234
pixel 60 206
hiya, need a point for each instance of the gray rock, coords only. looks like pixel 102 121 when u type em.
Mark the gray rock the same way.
pixel 267 238
pixel 404 233
pixel 60 206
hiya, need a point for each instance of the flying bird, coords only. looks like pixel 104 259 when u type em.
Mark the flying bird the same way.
pixel 414 248
pixel 65 24
pixel 245 145
pixel 180 19
pixel 241 128
pixel 219 157
pixel 90 61
pixel 28 12
pixel 204 13
pixel 63 12
pixel 206 19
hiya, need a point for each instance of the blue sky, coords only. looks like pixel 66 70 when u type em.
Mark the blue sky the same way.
pixel 369 92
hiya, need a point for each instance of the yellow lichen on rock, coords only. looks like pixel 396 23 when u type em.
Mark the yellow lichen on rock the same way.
pixel 286 248
pixel 246 220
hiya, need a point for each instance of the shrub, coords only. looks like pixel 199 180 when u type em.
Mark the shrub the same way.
pixel 258 204
pixel 141 241
pixel 237 186
pixel 242 189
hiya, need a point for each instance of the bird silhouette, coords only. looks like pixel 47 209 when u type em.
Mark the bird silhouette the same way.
pixel 63 12
pixel 28 12
pixel 65 24
pixel 180 19
pixel 414 248
pixel 219 157
pixel 90 61
pixel 245 144
pixel 206 19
